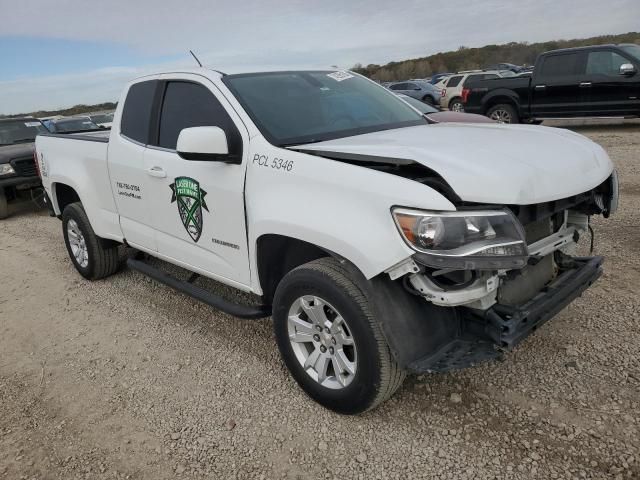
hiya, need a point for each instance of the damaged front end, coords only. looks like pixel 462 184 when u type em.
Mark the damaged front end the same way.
pixel 502 271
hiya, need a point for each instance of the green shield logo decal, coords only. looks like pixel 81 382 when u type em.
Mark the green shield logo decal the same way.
pixel 190 199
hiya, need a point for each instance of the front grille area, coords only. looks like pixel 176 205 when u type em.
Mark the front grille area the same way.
pixel 25 167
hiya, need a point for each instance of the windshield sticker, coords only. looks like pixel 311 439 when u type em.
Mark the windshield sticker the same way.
pixel 340 76
pixel 190 200
pixel 31 124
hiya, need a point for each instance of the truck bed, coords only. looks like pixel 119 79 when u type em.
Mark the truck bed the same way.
pixel 481 92
pixel 79 160
pixel 90 136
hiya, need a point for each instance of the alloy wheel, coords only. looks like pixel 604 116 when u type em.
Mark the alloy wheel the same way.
pixel 322 342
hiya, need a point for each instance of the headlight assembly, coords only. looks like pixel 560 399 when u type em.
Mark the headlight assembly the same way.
pixel 469 240
pixel 6 169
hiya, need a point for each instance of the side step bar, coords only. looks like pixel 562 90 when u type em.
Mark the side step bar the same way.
pixel 186 287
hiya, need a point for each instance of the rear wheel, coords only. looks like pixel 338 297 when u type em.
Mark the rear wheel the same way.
pixel 330 341
pixel 92 256
pixel 503 113
pixel 4 205
pixel 456 105
pixel 428 99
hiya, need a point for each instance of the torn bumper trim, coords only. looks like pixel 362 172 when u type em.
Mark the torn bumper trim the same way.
pixel 484 335
pixel 509 325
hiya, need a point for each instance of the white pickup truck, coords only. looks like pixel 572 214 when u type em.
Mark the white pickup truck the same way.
pixel 380 243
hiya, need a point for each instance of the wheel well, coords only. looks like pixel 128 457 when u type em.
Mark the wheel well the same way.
pixel 428 95
pixel 277 255
pixel 65 195
pixel 492 102
pixel 457 97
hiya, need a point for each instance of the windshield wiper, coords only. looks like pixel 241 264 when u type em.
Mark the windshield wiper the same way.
pixel 24 140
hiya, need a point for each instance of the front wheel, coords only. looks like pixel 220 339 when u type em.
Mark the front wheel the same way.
pixel 503 113
pixel 330 341
pixel 92 256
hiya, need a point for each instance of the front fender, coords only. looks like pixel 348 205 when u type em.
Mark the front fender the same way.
pixel 339 207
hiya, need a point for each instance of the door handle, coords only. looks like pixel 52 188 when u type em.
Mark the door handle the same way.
pixel 585 84
pixel 541 87
pixel 157 172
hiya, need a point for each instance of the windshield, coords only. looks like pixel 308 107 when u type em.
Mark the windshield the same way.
pixel 418 105
pixel 633 50
pixel 20 131
pixel 293 108
pixel 75 125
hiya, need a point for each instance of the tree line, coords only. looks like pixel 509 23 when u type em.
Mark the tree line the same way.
pixel 464 58
pixel 67 112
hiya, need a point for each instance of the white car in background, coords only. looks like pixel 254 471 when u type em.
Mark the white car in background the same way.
pixel 452 94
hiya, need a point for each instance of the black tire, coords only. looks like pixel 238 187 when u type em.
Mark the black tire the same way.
pixel 456 105
pixel 503 113
pixel 429 100
pixel 102 254
pixel 4 205
pixel 377 375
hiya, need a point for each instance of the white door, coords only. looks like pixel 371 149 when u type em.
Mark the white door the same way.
pixel 197 207
pixel 127 169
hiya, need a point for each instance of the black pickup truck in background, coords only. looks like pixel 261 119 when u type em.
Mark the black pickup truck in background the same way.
pixel 18 170
pixel 596 81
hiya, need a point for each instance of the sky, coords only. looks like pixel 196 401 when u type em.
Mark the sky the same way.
pixel 59 54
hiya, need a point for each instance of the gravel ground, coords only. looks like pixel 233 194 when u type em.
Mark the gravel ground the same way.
pixel 125 378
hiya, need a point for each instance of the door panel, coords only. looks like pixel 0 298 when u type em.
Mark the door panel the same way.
pixel 126 166
pixel 198 206
pixel 556 89
pixel 610 93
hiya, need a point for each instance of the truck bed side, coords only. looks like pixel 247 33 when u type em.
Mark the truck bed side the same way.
pixel 484 94
pixel 79 162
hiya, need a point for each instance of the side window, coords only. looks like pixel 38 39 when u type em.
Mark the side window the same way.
pixel 399 86
pixel 604 63
pixel 471 78
pixel 454 81
pixel 560 65
pixel 188 104
pixel 136 112
pixel 410 86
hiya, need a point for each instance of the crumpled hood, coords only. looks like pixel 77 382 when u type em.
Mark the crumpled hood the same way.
pixel 489 163
pixel 20 150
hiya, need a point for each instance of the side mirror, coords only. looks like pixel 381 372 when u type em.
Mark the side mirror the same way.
pixel 204 144
pixel 627 69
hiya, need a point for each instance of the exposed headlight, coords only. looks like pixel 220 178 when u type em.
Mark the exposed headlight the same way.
pixel 464 239
pixel 6 169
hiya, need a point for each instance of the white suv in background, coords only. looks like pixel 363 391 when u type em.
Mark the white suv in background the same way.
pixel 452 94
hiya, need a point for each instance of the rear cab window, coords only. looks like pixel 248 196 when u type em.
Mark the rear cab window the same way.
pixel 560 65
pixel 136 113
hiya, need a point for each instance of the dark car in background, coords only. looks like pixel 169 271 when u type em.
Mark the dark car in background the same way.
pixel 72 124
pixel 506 66
pixel 595 81
pixel 18 170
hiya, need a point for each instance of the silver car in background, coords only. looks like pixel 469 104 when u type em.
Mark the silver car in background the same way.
pixel 420 89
